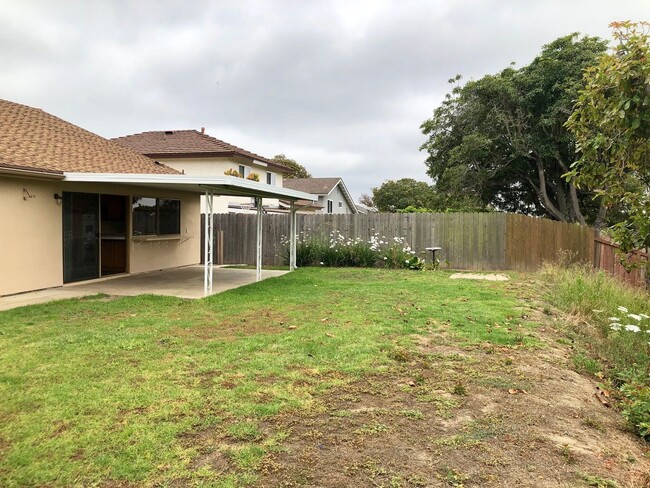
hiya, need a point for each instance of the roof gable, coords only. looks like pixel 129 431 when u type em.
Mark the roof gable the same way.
pixel 187 143
pixel 31 138
pixel 320 186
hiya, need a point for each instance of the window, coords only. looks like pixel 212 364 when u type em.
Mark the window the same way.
pixel 340 204
pixel 156 216
pixel 242 171
pixel 270 178
pixel 329 206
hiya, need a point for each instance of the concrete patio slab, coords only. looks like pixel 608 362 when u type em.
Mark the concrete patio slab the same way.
pixel 186 282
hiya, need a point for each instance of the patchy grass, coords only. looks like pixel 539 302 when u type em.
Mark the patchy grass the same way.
pixel 354 376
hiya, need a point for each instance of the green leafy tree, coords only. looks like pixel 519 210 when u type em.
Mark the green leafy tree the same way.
pixel 611 124
pixel 394 195
pixel 500 141
pixel 297 169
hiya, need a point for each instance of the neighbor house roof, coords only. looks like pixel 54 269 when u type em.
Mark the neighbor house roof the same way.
pixel 316 186
pixel 320 186
pixel 188 143
pixel 33 140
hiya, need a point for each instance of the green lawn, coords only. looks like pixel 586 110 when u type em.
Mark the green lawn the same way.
pixel 105 390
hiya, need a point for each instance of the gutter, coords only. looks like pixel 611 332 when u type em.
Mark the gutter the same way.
pixel 26 171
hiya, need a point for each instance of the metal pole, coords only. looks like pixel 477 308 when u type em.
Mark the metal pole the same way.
pixel 258 204
pixel 292 237
pixel 209 241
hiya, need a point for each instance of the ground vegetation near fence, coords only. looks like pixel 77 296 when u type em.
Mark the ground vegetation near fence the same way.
pixel 321 377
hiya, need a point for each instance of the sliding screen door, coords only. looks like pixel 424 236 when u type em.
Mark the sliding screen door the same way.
pixel 80 236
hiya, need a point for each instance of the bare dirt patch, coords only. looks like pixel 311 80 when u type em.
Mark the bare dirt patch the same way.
pixel 461 416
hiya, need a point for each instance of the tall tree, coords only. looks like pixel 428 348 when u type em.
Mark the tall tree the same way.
pixel 501 140
pixel 297 169
pixel 611 123
pixel 395 195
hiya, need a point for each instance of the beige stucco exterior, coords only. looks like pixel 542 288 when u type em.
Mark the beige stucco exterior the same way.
pixel 31 232
pixel 212 166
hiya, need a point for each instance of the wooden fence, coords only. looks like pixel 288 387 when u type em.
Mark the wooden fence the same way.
pixel 605 257
pixel 471 241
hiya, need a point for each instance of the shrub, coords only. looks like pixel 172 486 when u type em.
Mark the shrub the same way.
pixel 338 250
pixel 232 172
pixel 253 177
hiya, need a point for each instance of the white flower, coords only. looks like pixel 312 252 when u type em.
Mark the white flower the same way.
pixel 385 258
pixel 632 328
pixel 614 319
pixel 597 311
pixel 615 326
pixel 322 263
pixel 635 317
pixel 644 316
pixel 622 309
pixel 406 260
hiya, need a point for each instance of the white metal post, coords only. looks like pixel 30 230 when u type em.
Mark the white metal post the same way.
pixel 208 241
pixel 292 236
pixel 258 204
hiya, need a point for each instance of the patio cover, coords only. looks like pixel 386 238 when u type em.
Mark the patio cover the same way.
pixel 209 186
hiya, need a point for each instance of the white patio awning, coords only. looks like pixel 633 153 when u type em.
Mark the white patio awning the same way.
pixel 220 185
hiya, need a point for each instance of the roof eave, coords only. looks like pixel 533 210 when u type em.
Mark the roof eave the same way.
pixel 226 185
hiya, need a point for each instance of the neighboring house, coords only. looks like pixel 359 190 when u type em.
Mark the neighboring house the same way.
pixel 76 206
pixel 196 153
pixel 333 196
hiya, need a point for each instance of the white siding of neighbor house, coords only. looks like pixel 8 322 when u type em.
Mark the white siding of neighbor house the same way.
pixel 217 167
pixel 336 196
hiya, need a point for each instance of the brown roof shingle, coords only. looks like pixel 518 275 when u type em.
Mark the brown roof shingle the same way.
pixel 184 143
pixel 31 138
pixel 316 186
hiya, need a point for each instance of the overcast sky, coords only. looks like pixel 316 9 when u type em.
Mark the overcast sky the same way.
pixel 340 86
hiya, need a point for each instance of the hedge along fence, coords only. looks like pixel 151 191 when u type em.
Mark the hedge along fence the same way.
pixel 471 241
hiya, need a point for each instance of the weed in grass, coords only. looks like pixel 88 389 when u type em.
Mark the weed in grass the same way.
pixel 459 389
pixel 412 414
pixel 585 364
pixel 244 431
pixel 373 428
pixel 452 477
pixel 592 422
pixel 597 481
pixel 567 454
pixel 400 355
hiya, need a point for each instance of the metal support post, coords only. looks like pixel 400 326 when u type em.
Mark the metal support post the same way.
pixel 208 248
pixel 292 236
pixel 258 259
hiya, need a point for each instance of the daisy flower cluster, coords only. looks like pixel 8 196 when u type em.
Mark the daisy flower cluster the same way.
pixel 636 323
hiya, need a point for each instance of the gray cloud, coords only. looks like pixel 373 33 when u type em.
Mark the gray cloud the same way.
pixel 340 86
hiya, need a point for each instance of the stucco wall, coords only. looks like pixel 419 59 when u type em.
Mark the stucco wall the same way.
pixel 31 233
pixel 31 242
pixel 216 167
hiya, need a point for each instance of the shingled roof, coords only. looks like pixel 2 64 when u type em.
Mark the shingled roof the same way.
pixel 35 140
pixel 187 143
pixel 315 186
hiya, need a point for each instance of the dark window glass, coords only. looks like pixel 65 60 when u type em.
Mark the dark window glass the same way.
pixel 329 206
pixel 269 178
pixel 169 216
pixel 242 171
pixel 153 216
pixel 144 216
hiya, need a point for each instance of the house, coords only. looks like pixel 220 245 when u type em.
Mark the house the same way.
pixel 196 153
pixel 333 196
pixel 76 206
